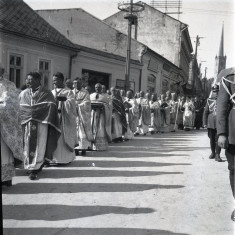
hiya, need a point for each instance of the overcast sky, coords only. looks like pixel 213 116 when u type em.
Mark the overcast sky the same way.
pixel 205 19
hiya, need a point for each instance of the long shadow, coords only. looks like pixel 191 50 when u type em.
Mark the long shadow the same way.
pixel 144 152
pixel 140 153
pixel 114 164
pixel 87 231
pixel 35 188
pixel 65 173
pixel 140 143
pixel 162 138
pixel 56 212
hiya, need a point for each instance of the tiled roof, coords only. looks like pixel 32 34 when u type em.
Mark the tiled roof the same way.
pixel 18 18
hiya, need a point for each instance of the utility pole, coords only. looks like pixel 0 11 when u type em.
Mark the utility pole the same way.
pixel 131 9
pixel 127 71
pixel 195 61
pixel 205 71
pixel 205 83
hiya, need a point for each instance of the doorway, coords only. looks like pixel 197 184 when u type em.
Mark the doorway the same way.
pixel 94 77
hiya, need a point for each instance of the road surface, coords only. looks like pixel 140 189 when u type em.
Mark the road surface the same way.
pixel 158 184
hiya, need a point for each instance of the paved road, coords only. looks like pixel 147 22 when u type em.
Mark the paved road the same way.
pixel 160 184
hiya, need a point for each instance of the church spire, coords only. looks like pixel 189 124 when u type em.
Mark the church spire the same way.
pixel 220 60
pixel 221 47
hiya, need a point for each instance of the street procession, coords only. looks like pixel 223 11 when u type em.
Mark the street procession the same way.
pixel 109 123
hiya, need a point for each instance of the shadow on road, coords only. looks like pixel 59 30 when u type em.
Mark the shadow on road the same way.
pixel 35 188
pixel 114 164
pixel 57 173
pixel 137 153
pixel 163 145
pixel 88 231
pixel 55 212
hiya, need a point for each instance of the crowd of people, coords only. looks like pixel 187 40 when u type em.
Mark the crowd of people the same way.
pixel 52 127
pixel 40 127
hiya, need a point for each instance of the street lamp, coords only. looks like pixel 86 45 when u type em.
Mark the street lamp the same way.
pixel 131 9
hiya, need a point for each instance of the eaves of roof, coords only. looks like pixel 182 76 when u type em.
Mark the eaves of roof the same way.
pixel 105 54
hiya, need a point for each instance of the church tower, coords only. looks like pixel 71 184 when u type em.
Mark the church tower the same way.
pixel 220 60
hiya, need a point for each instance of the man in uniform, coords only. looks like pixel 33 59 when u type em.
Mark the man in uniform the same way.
pixel 226 121
pixel 209 122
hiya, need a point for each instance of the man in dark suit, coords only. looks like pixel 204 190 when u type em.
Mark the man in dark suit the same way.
pixel 209 122
pixel 226 122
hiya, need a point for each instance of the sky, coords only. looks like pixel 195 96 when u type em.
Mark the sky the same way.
pixel 204 18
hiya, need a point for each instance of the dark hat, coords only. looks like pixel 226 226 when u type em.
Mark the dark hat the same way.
pixel 215 88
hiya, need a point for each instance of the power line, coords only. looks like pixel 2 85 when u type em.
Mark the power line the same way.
pixel 208 13
pixel 208 10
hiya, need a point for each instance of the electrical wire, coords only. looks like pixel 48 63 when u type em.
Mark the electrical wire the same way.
pixel 207 10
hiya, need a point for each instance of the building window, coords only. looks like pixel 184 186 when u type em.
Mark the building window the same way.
pixel 45 71
pixel 164 86
pixel 120 84
pixel 16 69
pixel 151 83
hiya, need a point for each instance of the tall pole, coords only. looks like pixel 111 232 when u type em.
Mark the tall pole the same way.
pixel 194 63
pixel 205 71
pixel 130 8
pixel 128 56
pixel 205 83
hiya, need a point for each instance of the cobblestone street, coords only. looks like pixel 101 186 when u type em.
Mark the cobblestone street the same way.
pixel 158 184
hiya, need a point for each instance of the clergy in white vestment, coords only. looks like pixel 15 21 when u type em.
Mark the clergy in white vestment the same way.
pixel 132 115
pixel 67 116
pixel 83 120
pixel 40 124
pixel 144 115
pixel 11 138
pixel 155 109
pixel 188 114
pixel 100 122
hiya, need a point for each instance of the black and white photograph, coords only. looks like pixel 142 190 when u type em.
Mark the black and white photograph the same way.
pixel 117 117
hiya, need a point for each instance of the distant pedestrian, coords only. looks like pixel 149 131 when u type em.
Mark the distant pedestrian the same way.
pixel 123 94
pixel 88 88
pixel 199 108
pixel 180 119
pixel 188 114
pixel 69 84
